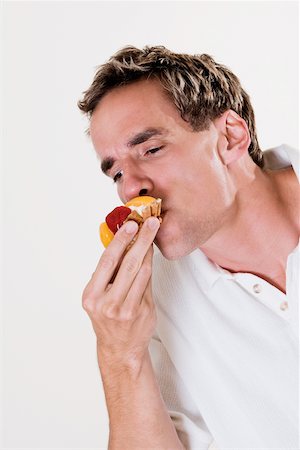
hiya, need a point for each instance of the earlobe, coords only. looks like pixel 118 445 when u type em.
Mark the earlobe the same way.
pixel 237 136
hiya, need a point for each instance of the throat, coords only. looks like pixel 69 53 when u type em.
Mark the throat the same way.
pixel 264 256
pixel 262 230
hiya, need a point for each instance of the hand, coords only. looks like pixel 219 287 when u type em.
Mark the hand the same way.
pixel 122 312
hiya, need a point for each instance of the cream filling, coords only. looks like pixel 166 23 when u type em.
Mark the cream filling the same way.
pixel 138 209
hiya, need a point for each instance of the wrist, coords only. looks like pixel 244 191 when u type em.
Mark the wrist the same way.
pixel 114 365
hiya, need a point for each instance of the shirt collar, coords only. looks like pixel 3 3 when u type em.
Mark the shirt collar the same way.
pixel 206 270
pixel 282 156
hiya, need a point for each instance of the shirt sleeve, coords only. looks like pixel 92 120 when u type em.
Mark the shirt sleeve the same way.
pixel 190 426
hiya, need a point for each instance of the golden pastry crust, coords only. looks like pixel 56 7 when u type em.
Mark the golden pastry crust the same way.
pixel 141 208
pixel 151 209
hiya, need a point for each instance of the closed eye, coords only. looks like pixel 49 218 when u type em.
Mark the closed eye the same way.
pixel 117 176
pixel 153 150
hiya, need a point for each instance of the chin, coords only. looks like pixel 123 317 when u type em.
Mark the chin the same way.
pixel 173 240
pixel 172 247
pixel 172 252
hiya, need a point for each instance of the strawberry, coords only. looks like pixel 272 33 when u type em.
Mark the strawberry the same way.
pixel 116 218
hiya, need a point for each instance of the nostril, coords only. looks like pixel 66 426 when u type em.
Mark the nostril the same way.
pixel 143 192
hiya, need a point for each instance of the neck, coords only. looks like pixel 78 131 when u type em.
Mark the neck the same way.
pixel 262 228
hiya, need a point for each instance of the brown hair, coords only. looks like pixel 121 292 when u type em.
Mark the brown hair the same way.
pixel 200 88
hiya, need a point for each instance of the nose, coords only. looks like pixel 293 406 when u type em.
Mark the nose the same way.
pixel 134 184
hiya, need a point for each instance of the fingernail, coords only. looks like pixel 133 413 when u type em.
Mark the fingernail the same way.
pixel 131 227
pixel 153 223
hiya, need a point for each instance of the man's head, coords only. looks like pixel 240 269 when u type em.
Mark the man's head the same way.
pixel 200 88
pixel 176 127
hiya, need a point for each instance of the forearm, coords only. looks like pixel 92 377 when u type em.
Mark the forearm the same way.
pixel 138 416
pixel 123 315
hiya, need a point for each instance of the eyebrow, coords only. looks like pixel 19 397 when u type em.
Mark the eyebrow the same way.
pixel 137 139
pixel 143 136
pixel 107 164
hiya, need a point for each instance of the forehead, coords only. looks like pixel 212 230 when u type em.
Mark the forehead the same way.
pixel 128 110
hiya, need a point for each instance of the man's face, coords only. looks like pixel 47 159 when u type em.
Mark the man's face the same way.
pixel 146 145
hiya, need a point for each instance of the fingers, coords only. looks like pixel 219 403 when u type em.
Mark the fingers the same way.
pixel 139 298
pixel 133 260
pixel 99 284
pixel 140 283
pixel 112 255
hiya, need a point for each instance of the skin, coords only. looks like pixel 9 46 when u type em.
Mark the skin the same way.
pixel 123 317
pixel 210 170
pixel 214 198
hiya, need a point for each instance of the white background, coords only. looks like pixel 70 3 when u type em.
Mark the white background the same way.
pixel 55 196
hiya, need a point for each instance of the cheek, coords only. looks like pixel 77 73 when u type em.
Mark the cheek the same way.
pixel 175 238
pixel 220 184
pixel 207 181
pixel 178 224
pixel 120 195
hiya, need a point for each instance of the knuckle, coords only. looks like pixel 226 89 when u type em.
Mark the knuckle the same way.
pixel 146 269
pixel 106 262
pixel 89 291
pixel 148 308
pixel 110 311
pixel 128 315
pixel 88 303
pixel 131 263
pixel 147 301
pixel 145 237
pixel 122 237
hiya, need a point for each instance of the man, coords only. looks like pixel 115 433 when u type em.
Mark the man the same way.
pixel 223 331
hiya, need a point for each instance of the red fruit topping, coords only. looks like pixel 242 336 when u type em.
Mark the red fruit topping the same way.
pixel 116 218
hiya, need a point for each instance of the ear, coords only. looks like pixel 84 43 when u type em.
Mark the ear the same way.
pixel 237 137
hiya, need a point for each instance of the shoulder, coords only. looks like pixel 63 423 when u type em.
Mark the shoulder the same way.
pixel 281 157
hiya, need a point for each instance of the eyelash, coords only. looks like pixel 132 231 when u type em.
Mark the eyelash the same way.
pixel 154 150
pixel 151 151
pixel 117 176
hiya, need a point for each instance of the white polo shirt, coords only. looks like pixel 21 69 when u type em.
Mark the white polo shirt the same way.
pixel 226 349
